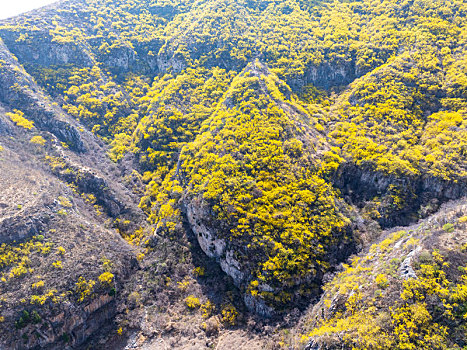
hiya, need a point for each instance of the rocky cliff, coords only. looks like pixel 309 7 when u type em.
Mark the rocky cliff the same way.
pixel 267 174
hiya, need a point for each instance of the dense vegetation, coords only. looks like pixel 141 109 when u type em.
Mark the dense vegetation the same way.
pixel 289 125
pixel 371 305
pixel 263 186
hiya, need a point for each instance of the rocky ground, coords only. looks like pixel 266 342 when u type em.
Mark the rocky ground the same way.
pixel 141 202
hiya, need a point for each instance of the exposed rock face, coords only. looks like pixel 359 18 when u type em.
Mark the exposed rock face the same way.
pixel 46 119
pixel 214 247
pixel 18 90
pixel 398 255
pixel 406 269
pixel 258 306
pixel 75 324
pixel 88 182
pixel 5 126
pixel 140 60
pixel 197 215
pixel 46 52
pixel 360 184
pixel 168 60
pixel 313 345
pixel 258 187
pixel 30 205
pixel 232 267
pixel 326 75
pixel 26 198
pixel 249 252
pixel 20 228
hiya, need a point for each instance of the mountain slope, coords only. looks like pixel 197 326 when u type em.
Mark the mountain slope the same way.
pixel 407 290
pixel 218 160
pixel 254 191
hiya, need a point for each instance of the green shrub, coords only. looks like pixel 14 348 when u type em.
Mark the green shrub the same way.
pixel 448 227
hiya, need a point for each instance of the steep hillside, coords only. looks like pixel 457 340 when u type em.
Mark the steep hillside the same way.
pixel 61 262
pixel 256 199
pixel 220 173
pixel 408 290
